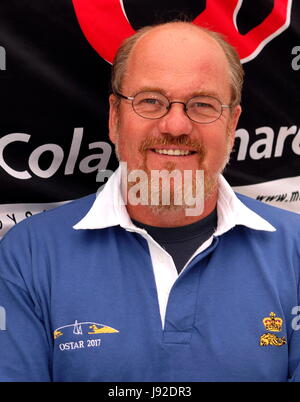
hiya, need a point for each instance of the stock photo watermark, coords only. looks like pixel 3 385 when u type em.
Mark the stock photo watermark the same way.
pixel 2 58
pixel 296 319
pixel 2 319
pixel 296 59
pixel 160 188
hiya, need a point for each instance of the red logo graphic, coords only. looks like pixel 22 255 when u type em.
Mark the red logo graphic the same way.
pixel 105 25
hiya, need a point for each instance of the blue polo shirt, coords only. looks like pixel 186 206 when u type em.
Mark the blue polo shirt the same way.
pixel 85 305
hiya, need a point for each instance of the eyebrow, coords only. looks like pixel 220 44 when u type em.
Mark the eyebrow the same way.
pixel 206 93
pixel 192 95
pixel 151 89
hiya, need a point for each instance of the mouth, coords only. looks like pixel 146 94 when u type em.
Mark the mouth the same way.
pixel 173 152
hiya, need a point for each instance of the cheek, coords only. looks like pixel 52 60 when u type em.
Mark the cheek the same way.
pixel 127 145
pixel 218 147
pixel 128 142
pixel 132 132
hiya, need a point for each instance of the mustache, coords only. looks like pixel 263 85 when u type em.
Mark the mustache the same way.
pixel 168 139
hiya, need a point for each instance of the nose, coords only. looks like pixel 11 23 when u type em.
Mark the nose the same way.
pixel 176 122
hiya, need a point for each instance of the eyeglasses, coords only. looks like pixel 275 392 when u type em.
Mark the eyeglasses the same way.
pixel 154 105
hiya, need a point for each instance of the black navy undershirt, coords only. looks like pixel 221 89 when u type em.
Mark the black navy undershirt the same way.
pixel 182 241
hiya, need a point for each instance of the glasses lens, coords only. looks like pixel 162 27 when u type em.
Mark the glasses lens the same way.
pixel 151 105
pixel 204 109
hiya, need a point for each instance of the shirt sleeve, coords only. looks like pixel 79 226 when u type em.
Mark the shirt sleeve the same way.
pixel 24 346
pixel 294 345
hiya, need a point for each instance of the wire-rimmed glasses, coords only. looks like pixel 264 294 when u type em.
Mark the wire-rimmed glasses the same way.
pixel 154 105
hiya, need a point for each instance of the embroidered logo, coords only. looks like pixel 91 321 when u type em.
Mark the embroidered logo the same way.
pixel 272 339
pixel 74 332
pixel 77 329
pixel 274 324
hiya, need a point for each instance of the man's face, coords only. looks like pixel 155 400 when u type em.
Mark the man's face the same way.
pixel 179 63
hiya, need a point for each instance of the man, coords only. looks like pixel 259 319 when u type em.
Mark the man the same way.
pixel 115 290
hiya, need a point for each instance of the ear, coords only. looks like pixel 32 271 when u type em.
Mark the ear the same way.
pixel 234 118
pixel 113 118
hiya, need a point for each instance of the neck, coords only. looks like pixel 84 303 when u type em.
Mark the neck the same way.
pixel 168 217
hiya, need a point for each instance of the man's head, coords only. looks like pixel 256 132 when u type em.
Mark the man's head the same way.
pixel 180 61
pixel 236 72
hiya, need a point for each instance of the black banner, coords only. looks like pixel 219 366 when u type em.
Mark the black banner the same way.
pixel 54 76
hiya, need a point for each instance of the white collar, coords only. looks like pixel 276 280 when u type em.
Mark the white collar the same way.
pixel 109 210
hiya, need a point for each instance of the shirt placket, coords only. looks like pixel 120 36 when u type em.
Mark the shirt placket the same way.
pixel 177 294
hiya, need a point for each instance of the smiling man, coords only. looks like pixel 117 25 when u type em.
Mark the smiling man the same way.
pixel 104 290
pixel 179 115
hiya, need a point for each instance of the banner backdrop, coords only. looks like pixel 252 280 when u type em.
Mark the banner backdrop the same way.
pixel 55 60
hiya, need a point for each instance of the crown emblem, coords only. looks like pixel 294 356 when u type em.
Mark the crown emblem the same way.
pixel 272 323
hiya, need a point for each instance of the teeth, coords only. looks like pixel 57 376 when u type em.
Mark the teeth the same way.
pixel 176 152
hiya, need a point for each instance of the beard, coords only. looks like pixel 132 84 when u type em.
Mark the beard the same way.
pixel 154 189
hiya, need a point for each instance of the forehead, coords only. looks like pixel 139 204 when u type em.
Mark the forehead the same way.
pixel 179 60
